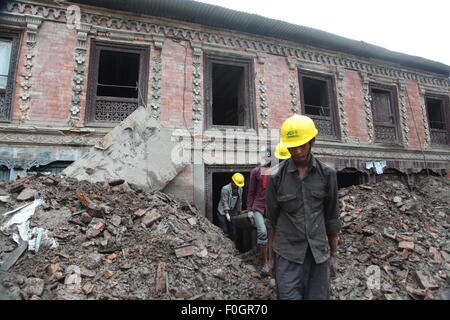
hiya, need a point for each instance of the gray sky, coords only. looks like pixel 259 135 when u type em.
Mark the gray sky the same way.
pixel 416 27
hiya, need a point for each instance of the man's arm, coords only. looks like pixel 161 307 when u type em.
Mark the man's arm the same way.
pixel 225 197
pixel 272 209
pixel 332 220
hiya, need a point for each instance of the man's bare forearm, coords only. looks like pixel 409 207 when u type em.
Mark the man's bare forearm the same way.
pixel 333 240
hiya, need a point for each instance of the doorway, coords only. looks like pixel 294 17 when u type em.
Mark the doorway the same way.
pixel 217 177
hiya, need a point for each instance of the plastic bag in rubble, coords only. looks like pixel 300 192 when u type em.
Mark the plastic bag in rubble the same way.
pixel 19 218
pixel 19 221
pixel 39 238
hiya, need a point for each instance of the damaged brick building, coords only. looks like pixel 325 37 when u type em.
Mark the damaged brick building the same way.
pixel 71 71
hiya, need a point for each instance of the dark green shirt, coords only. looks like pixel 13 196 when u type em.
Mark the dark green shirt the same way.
pixel 303 212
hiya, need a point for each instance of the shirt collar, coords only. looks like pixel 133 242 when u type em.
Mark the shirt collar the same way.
pixel 293 168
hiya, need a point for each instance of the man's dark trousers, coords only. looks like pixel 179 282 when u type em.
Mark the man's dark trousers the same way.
pixel 307 281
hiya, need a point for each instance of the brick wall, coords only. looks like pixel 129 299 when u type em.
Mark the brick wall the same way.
pixel 354 106
pixel 52 79
pixel 413 102
pixel 278 91
pixel 182 186
pixel 176 84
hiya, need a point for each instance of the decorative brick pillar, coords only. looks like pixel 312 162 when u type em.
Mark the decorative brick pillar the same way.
pixel 33 24
pixel 79 74
pixel 293 80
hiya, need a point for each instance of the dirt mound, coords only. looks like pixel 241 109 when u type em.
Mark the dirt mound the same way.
pixel 120 243
pixel 395 242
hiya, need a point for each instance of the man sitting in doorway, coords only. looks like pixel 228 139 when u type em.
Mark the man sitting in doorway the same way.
pixel 230 204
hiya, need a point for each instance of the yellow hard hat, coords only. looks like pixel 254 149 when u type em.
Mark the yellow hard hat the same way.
pixel 281 152
pixel 297 130
pixel 238 179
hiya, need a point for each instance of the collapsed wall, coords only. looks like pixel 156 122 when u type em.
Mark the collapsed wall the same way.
pixel 138 151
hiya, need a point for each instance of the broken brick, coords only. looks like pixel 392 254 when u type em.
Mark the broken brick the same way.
pixel 111 257
pixel 400 238
pixel 151 218
pixel 414 291
pixel 436 254
pixel 430 228
pixel 85 218
pixel 116 220
pixel 184 251
pixel 87 288
pixel 426 280
pixel 93 209
pixel 406 245
pixel 72 279
pixel 107 235
pixel 161 276
pixel 59 275
pixel 53 268
pixel 108 274
pixel 445 255
pixel 139 213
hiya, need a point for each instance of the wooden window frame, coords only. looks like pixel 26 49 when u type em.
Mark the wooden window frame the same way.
pixel 9 92
pixel 446 115
pixel 94 64
pixel 396 114
pixel 331 95
pixel 247 63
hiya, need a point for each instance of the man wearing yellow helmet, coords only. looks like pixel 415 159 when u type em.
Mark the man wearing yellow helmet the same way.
pixel 302 205
pixel 256 204
pixel 230 204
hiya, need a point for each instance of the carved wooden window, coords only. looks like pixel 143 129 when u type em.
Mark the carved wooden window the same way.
pixel 9 46
pixel 385 113
pixel 118 80
pixel 229 91
pixel 438 119
pixel 318 102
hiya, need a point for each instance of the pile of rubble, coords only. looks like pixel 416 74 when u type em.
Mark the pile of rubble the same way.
pixel 115 241
pixel 395 242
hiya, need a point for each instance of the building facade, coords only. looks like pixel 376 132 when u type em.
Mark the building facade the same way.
pixel 71 71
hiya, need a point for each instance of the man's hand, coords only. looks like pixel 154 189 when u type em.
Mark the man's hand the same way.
pixel 228 217
pixel 333 240
pixel 250 214
pixel 333 265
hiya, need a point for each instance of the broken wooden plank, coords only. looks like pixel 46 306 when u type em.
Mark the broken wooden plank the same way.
pixel 12 257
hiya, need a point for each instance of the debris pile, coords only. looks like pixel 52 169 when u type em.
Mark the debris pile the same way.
pixel 395 242
pixel 116 241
